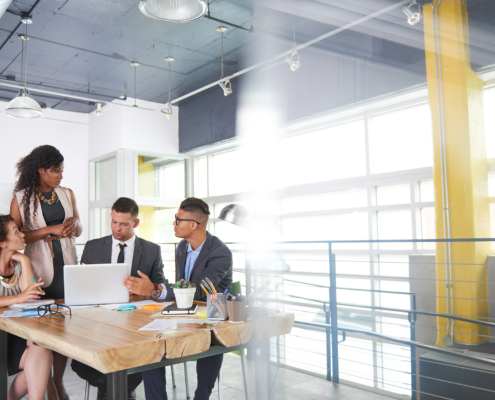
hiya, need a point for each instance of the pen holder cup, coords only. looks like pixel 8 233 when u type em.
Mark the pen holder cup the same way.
pixel 213 305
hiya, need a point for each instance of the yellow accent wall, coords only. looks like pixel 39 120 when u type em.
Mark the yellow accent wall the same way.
pixel 146 188
pixel 466 169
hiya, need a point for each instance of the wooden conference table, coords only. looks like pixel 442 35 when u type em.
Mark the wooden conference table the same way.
pixel 110 342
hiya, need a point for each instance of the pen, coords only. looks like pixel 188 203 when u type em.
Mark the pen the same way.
pixel 35 281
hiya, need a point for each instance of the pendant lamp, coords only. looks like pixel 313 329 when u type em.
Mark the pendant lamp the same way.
pixel 225 83
pixel 168 111
pixel 173 10
pixel 24 106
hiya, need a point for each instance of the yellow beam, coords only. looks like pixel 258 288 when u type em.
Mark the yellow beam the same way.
pixel 467 174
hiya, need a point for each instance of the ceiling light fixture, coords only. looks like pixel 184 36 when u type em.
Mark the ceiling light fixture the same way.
pixel 98 110
pixel 413 12
pixel 173 10
pixel 293 60
pixel 168 111
pixel 24 106
pixel 135 64
pixel 224 84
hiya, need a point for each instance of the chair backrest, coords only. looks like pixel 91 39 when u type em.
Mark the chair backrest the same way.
pixel 236 287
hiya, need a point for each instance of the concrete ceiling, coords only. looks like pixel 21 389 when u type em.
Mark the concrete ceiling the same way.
pixel 87 45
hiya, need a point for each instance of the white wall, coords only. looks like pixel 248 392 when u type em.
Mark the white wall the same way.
pixel 65 130
pixel 133 128
pixel 105 131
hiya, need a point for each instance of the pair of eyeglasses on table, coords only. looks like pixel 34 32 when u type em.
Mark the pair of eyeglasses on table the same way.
pixel 53 309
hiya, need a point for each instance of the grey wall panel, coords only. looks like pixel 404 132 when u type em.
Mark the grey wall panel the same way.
pixel 206 119
pixel 325 81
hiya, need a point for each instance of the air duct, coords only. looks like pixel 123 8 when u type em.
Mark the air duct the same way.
pixel 4 4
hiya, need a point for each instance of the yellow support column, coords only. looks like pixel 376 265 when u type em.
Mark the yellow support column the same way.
pixel 467 174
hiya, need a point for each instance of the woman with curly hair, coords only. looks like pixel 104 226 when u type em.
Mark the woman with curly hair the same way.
pixel 47 214
pixel 31 362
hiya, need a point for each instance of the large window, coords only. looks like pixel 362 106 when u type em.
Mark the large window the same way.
pixel 156 182
pixel 335 152
pixel 364 177
pixel 105 179
pixel 401 140
pixel 162 177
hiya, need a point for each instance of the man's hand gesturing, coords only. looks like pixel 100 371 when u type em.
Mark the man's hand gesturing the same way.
pixel 141 286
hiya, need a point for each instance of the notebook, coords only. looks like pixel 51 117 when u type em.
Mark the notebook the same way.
pixel 174 310
pixel 33 304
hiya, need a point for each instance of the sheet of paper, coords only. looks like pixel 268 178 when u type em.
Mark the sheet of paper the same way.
pixel 138 304
pixel 179 324
pixel 74 307
pixel 19 314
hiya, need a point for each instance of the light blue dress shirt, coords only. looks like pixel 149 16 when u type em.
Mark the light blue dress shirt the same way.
pixel 192 256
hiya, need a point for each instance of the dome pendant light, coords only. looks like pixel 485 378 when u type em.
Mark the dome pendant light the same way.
pixel 24 106
pixel 168 111
pixel 173 10
pixel 224 84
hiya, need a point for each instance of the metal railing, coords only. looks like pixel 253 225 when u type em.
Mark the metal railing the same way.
pixel 331 308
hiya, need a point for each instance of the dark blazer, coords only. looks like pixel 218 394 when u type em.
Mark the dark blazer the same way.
pixel 214 262
pixel 147 257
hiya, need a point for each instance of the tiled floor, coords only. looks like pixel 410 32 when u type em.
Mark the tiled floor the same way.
pixel 287 385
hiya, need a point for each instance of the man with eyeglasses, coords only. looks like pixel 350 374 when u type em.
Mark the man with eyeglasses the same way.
pixel 199 255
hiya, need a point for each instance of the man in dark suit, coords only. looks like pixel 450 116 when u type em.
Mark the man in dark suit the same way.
pixel 146 278
pixel 199 255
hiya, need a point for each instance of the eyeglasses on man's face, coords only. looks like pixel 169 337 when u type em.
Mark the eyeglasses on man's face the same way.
pixel 177 220
pixel 53 309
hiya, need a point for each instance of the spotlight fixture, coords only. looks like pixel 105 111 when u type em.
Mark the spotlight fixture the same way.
pixel 23 105
pixel 413 12
pixel 225 83
pixel 173 10
pixel 98 110
pixel 168 111
pixel 226 87
pixel 293 60
pixel 135 64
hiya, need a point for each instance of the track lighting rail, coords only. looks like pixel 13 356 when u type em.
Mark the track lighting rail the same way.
pixel 288 53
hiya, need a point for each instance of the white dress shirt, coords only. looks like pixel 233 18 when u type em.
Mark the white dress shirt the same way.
pixel 128 250
pixel 128 256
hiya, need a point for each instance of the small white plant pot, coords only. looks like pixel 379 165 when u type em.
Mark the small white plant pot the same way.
pixel 184 297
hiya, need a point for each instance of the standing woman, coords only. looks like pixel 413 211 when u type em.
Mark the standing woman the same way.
pixel 47 214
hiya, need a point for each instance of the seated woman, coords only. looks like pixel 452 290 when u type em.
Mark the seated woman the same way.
pixel 17 286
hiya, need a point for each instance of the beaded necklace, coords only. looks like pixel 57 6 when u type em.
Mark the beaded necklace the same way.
pixel 53 200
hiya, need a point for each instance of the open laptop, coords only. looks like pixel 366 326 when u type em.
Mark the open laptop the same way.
pixel 89 284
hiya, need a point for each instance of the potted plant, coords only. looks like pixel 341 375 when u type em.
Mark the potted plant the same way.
pixel 184 293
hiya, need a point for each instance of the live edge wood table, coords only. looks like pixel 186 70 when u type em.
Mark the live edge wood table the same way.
pixel 110 342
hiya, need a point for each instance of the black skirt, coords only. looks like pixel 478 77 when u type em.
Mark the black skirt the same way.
pixel 15 350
